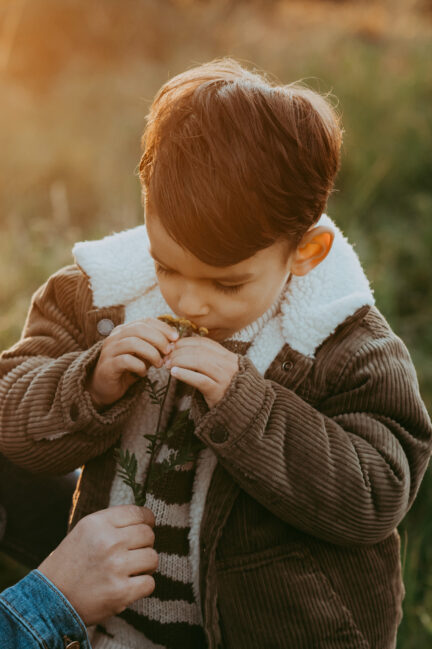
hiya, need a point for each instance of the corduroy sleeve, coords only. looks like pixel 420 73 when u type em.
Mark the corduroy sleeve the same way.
pixel 47 420
pixel 346 471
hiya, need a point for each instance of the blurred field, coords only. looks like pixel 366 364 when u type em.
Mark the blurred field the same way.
pixel 76 79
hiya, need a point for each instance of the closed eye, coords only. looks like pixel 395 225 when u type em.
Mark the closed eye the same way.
pixel 163 270
pixel 235 288
pixel 223 288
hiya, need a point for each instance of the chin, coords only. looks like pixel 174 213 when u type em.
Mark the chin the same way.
pixel 214 334
pixel 218 334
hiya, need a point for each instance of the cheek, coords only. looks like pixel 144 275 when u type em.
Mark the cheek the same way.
pixel 168 290
pixel 261 298
pixel 235 307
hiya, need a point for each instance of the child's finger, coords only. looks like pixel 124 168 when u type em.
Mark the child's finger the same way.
pixel 200 342
pixel 197 380
pixel 157 325
pixel 129 363
pixel 140 348
pixel 190 359
pixel 169 331
pixel 142 331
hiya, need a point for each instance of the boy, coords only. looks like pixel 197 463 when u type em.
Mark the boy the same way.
pixel 281 532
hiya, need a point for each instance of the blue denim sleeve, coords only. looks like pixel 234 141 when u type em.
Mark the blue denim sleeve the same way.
pixel 34 614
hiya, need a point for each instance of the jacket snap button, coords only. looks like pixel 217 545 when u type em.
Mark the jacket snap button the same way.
pixel 219 435
pixel 287 366
pixel 74 412
pixel 105 326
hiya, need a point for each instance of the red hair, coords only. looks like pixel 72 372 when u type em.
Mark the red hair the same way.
pixel 233 163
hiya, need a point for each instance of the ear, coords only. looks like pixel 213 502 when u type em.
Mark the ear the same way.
pixel 312 249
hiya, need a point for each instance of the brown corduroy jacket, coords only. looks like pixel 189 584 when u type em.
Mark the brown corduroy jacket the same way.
pixel 322 460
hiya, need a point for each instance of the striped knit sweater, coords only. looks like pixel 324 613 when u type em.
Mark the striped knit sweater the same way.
pixel 171 617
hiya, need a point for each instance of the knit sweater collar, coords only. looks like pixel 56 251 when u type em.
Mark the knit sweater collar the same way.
pixel 121 271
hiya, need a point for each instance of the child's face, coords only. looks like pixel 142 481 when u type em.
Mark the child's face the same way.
pixel 222 299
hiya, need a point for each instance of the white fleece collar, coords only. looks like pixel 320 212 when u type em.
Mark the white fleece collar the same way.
pixel 121 271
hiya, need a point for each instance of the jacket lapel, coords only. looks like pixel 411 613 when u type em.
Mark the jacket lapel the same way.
pixel 221 496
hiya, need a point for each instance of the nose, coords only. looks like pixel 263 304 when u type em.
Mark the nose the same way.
pixel 192 303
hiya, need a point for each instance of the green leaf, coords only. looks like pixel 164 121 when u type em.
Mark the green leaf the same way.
pixel 128 469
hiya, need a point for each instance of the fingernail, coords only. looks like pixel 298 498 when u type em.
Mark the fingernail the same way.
pixel 167 362
pixel 169 348
pixel 174 335
pixel 174 371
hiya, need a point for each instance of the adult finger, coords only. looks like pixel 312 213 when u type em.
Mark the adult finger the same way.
pixel 140 586
pixel 124 515
pixel 137 536
pixel 143 560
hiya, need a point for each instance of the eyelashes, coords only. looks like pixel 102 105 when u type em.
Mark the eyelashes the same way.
pixel 161 270
pixel 228 289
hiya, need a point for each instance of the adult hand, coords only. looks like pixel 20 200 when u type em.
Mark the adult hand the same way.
pixel 126 355
pixel 104 563
pixel 204 364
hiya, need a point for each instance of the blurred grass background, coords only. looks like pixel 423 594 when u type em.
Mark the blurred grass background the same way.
pixel 76 79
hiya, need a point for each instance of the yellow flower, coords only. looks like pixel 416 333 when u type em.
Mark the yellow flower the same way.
pixel 183 326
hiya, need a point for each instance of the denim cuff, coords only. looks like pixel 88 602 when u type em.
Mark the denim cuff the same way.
pixel 34 613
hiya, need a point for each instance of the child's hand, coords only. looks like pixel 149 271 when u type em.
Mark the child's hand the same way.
pixel 126 356
pixel 204 364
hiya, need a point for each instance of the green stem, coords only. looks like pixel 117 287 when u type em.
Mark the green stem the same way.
pixel 156 447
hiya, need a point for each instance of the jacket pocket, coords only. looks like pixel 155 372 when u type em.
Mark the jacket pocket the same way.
pixel 277 599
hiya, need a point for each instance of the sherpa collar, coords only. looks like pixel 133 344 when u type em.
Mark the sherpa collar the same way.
pixel 121 271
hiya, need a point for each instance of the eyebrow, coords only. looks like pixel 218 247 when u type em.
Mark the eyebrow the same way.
pixel 240 277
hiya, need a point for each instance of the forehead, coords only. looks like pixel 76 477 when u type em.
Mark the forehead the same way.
pixel 170 254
